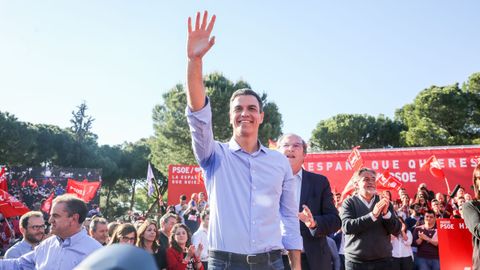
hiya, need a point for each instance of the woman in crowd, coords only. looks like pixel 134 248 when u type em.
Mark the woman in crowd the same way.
pixel 125 234
pixel 471 214
pixel 147 239
pixel 181 254
pixel 402 249
pixel 421 201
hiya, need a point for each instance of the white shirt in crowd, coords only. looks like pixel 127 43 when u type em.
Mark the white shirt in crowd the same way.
pixel 201 236
pixel 402 248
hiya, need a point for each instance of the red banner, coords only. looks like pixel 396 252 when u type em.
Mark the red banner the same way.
pixel 454 244
pixel 10 206
pixel 84 190
pixel 47 204
pixel 184 179
pixel 386 181
pixel 404 163
pixel 3 179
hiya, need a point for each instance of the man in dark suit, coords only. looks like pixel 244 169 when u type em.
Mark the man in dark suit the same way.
pixel 315 200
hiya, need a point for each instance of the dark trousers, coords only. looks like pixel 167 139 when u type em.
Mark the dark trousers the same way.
pixel 374 265
pixel 286 262
pixel 405 263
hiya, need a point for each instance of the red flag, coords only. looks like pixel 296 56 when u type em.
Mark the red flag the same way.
pixel 84 190
pixel 434 167
pixel 47 204
pixel 355 159
pixel 348 189
pixel 32 184
pixel 3 180
pixel 10 206
pixel 387 181
pixel 477 159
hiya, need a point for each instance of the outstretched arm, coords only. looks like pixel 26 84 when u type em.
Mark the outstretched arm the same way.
pixel 198 44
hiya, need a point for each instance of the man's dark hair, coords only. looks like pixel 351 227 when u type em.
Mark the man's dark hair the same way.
pixel 95 222
pixel 183 197
pixel 26 217
pixel 247 92
pixel 73 205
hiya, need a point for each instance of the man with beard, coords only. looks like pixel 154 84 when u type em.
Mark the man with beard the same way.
pixel 368 221
pixel 68 245
pixel 32 227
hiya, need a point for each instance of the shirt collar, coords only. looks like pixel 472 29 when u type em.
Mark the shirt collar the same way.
pixel 72 239
pixel 26 244
pixel 234 146
pixel 299 174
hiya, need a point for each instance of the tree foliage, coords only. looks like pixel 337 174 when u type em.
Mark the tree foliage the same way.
pixel 345 131
pixel 172 142
pixel 443 115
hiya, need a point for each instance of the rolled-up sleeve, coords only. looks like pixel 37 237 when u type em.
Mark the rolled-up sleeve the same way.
pixel 200 123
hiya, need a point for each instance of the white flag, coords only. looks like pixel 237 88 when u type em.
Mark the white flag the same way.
pixel 150 179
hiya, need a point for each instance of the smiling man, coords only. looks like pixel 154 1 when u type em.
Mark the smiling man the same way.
pixel 314 200
pixel 368 221
pixel 32 227
pixel 68 245
pixel 251 189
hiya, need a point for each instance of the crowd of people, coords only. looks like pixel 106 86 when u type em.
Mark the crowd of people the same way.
pixel 172 243
pixel 405 239
pixel 408 235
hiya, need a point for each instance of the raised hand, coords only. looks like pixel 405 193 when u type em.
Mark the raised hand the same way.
pixel 199 40
pixel 306 217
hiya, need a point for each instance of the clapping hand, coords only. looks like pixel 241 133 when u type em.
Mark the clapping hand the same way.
pixel 306 217
pixel 381 207
pixel 199 250
pixel 422 236
pixel 191 251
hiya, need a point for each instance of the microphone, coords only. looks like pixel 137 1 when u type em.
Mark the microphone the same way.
pixel 454 192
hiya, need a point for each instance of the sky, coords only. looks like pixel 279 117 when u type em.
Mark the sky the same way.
pixel 314 59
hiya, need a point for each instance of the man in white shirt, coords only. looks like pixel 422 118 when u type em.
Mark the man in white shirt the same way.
pixel 201 237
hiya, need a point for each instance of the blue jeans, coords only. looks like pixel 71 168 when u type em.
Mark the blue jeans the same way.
pixel 428 264
pixel 221 264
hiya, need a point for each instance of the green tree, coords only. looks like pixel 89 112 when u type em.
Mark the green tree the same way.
pixel 345 131
pixel 16 141
pixel 443 115
pixel 172 143
pixel 82 123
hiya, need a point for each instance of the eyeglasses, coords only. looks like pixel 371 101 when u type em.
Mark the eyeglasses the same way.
pixel 37 227
pixel 129 239
pixel 294 146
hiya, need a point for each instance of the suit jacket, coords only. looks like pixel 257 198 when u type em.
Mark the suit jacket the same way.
pixel 317 195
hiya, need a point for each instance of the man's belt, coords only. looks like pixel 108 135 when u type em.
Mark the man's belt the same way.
pixel 250 259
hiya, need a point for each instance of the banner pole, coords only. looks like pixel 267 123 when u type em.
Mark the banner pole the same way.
pixel 446 183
